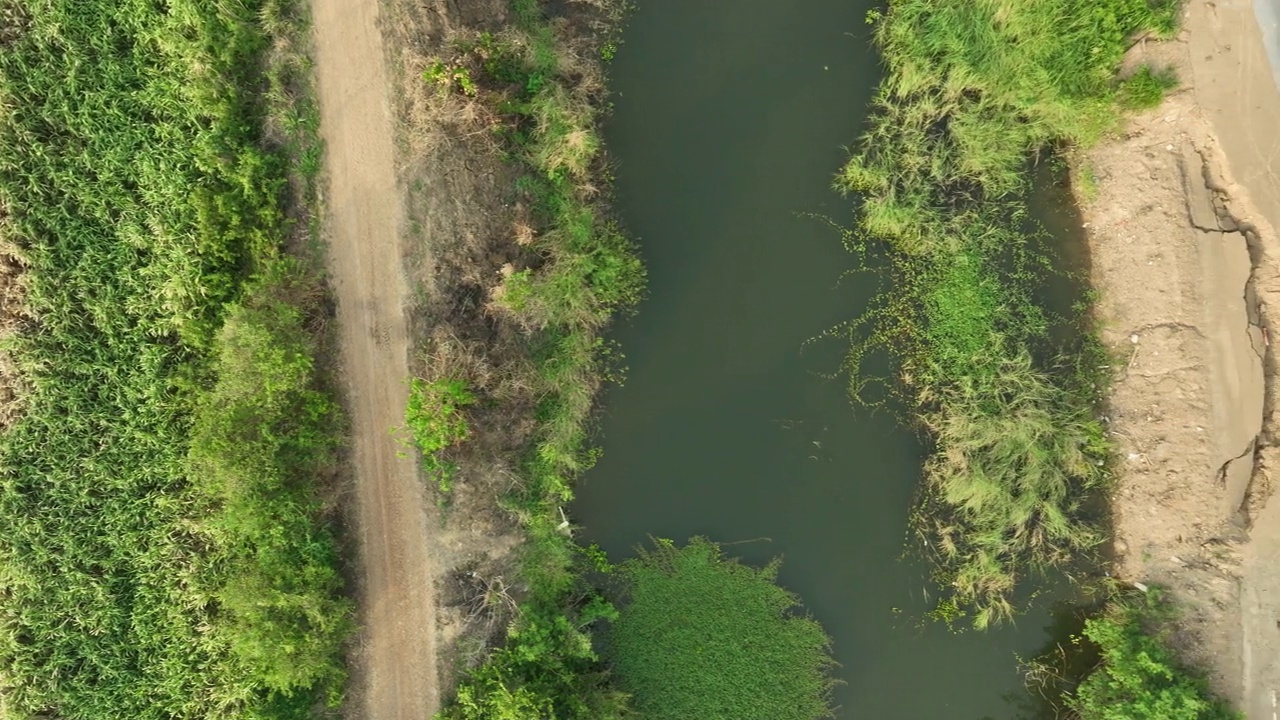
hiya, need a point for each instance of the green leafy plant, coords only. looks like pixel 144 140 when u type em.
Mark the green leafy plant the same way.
pixel 1121 667
pixel 704 636
pixel 449 77
pixel 164 553
pixel 546 669
pixel 436 421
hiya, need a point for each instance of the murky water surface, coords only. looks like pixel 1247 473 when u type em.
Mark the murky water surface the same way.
pixel 730 120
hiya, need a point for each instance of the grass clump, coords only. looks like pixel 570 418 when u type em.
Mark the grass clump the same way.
pixel 973 89
pixel 436 422
pixel 1146 88
pixel 704 636
pixel 163 552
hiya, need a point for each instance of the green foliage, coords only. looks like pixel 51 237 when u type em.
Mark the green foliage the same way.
pixel 703 636
pixel 260 437
pixel 1013 454
pixel 449 77
pixel 973 89
pixel 546 669
pixel 435 419
pixel 1138 676
pixel 1146 88
pixel 142 576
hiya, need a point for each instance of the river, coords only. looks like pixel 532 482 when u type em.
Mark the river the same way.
pixel 731 118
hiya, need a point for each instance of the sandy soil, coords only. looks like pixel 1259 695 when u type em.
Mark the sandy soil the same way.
pixel 394 668
pixel 1180 212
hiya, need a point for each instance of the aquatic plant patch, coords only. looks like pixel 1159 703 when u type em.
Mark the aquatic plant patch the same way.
pixel 701 635
pixel 973 91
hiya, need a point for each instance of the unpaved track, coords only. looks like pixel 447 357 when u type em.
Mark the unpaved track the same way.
pixel 395 675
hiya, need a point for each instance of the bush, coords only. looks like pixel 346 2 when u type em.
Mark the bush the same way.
pixel 703 636
pixel 435 419
pixel 546 669
pixel 1138 677
pixel 261 436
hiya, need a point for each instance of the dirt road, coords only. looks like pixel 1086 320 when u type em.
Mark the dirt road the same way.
pixel 1187 259
pixel 394 674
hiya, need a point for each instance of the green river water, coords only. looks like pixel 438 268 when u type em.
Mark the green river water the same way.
pixel 731 117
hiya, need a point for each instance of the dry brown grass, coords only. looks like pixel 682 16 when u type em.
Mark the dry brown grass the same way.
pixel 14 316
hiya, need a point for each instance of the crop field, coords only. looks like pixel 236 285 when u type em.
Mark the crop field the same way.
pixel 162 550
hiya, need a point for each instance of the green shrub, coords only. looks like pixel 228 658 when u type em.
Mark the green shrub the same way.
pixel 703 636
pixel 436 421
pixel 1138 677
pixel 546 669
pixel 260 437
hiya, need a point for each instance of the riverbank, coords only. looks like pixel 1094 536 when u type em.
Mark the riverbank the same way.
pixel 1180 211
pixel 515 267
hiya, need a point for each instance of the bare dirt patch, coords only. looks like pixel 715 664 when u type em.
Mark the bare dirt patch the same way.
pixel 1186 264
pixel 13 316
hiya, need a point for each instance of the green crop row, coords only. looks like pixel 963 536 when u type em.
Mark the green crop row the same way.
pixel 972 91
pixel 162 552
pixel 1122 665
